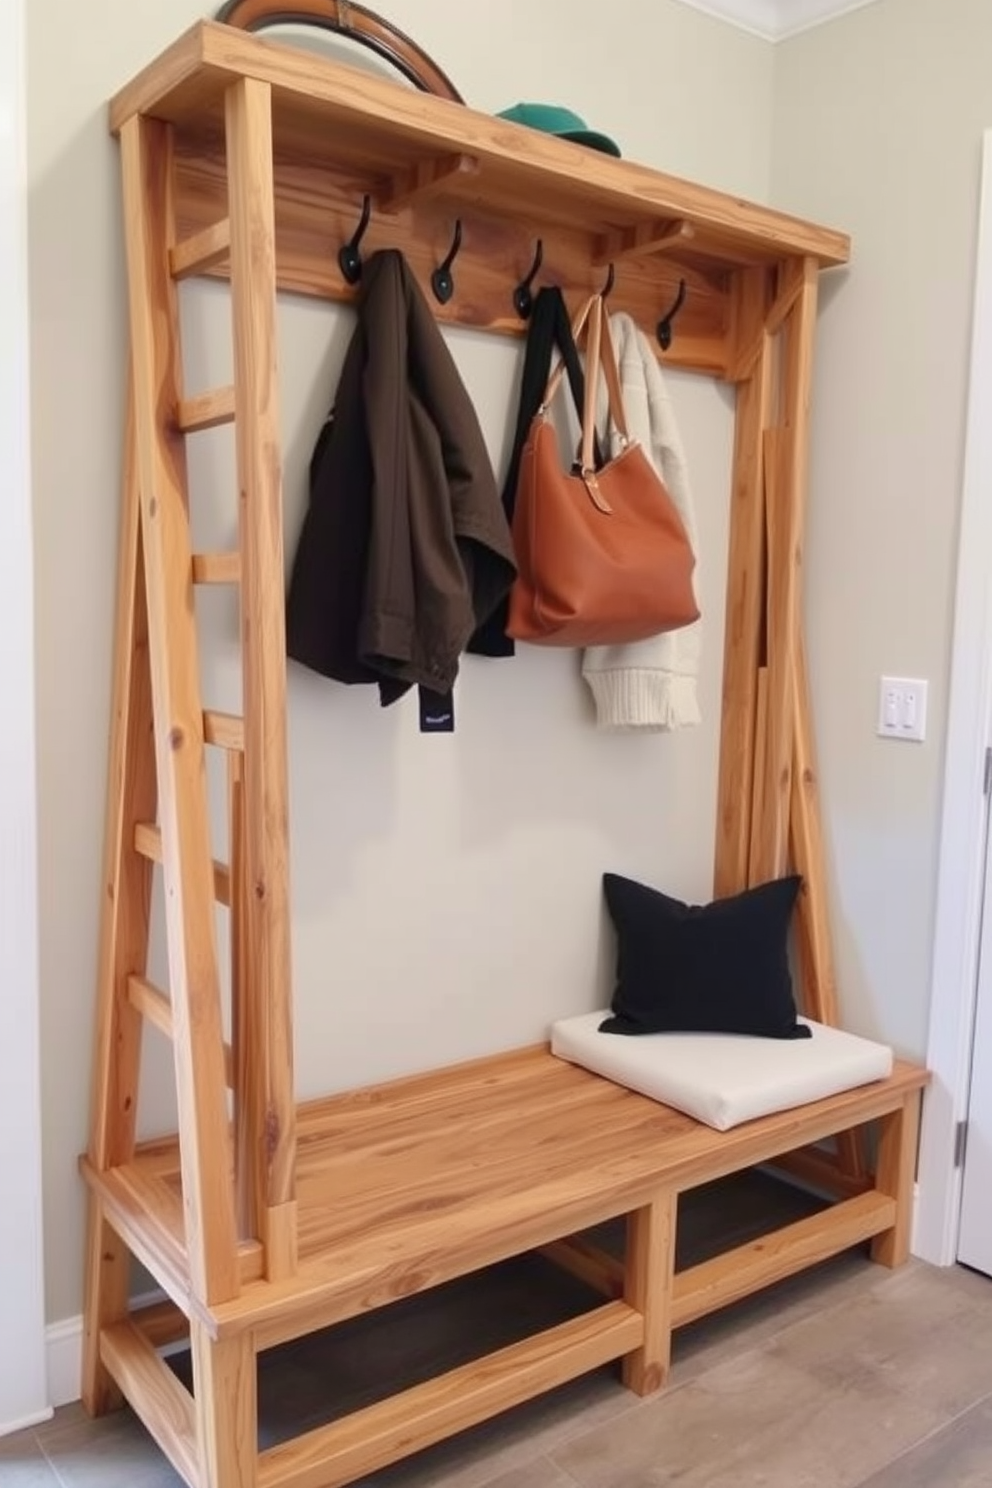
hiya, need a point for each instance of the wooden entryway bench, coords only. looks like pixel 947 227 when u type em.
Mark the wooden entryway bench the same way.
pixel 406 1185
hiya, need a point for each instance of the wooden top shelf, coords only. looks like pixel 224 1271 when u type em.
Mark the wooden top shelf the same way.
pixel 332 116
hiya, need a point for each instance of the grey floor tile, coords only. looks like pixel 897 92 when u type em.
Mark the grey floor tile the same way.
pixel 959 1456
pixel 540 1474
pixel 757 1419
pixel 922 1331
pixel 22 1463
pixel 115 1452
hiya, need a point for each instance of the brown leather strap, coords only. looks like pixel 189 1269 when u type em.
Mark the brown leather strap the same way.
pixel 354 21
pixel 593 353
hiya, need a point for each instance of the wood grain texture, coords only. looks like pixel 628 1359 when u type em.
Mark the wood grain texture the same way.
pixel 226 1404
pixel 344 114
pixel 743 625
pixel 382 1433
pixel 787 460
pixel 315 213
pixel 179 748
pixel 729 1277
pixel 650 1274
pixel 148 842
pixel 125 904
pixel 161 1400
pixel 895 1169
pixel 393 1198
pixel 268 1105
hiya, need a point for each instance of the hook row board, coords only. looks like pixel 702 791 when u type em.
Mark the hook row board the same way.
pixel 339 131
pixel 317 211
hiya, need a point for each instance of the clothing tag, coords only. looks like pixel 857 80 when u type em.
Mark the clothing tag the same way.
pixel 437 712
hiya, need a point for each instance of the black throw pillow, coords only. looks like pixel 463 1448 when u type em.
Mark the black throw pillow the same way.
pixel 712 968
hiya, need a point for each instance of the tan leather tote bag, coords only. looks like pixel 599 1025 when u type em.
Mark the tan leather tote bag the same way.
pixel 603 557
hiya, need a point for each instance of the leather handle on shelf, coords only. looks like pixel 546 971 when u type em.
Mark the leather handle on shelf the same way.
pixel 345 19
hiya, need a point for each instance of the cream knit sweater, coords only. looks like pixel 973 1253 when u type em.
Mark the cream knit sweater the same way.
pixel 650 684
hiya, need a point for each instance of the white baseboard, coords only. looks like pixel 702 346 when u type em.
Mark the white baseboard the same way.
pixel 64 1354
pixel 64 1360
pixel 9 1428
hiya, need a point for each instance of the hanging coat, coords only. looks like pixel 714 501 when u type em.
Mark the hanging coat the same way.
pixel 405 548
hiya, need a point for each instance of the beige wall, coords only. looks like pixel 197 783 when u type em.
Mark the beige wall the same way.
pixel 877 127
pixel 446 890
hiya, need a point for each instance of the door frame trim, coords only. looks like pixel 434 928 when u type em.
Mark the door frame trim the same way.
pixel 961 863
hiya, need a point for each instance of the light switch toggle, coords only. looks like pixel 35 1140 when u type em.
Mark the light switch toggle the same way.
pixel 902 708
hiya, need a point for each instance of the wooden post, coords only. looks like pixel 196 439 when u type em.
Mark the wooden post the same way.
pixel 226 1396
pixel 270 1107
pixel 205 1146
pixel 124 917
pixel 649 1273
pixel 894 1174
pixel 745 591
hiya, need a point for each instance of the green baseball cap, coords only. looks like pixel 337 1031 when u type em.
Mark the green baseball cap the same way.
pixel 552 119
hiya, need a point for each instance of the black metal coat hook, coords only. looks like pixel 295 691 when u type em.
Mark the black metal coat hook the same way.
pixel 610 281
pixel 665 323
pixel 349 257
pixel 442 282
pixel 523 299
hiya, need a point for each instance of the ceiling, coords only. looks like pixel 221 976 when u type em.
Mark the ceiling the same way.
pixel 776 19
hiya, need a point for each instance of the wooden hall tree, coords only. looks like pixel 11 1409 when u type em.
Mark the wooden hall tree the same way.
pixel 262 1221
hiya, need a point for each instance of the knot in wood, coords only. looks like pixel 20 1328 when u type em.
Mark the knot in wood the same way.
pixel 271 1133
pixel 260 888
pixel 176 738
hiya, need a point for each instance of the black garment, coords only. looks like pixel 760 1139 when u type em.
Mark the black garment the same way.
pixel 404 548
pixel 548 327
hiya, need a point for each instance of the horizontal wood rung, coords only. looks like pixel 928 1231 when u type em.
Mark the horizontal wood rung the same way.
pixel 739 1272
pixel 216 568
pixel 154 1005
pixel 206 410
pixel 226 730
pixel 151 1003
pixel 603 1272
pixel 161 1323
pixel 381 1433
pixel 148 842
pixel 203 251
pixel 163 1403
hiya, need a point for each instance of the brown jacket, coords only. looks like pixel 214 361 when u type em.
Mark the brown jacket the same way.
pixel 405 548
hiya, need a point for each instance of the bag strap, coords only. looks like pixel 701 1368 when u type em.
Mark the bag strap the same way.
pixel 600 352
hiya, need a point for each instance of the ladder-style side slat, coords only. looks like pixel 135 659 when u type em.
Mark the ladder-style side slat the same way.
pixel 206 410
pixel 226 730
pixel 265 971
pixel 125 901
pixel 247 1062
pixel 148 842
pixel 203 251
pixel 745 599
pixel 208 1197
pixel 787 448
pixel 216 568
pixel 151 1002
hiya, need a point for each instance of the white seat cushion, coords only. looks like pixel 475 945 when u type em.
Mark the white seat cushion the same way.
pixel 723 1079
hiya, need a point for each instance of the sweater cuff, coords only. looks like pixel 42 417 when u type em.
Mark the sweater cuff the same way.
pixel 630 698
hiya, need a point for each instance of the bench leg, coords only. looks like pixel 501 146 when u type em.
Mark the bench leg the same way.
pixel 224 1376
pixel 649 1278
pixel 895 1172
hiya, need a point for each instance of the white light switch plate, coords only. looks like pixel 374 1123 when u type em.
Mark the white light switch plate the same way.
pixel 902 708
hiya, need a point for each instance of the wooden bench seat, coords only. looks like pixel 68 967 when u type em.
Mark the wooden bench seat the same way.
pixel 406 1185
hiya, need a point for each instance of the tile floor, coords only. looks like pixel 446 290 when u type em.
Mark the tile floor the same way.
pixel 848 1377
